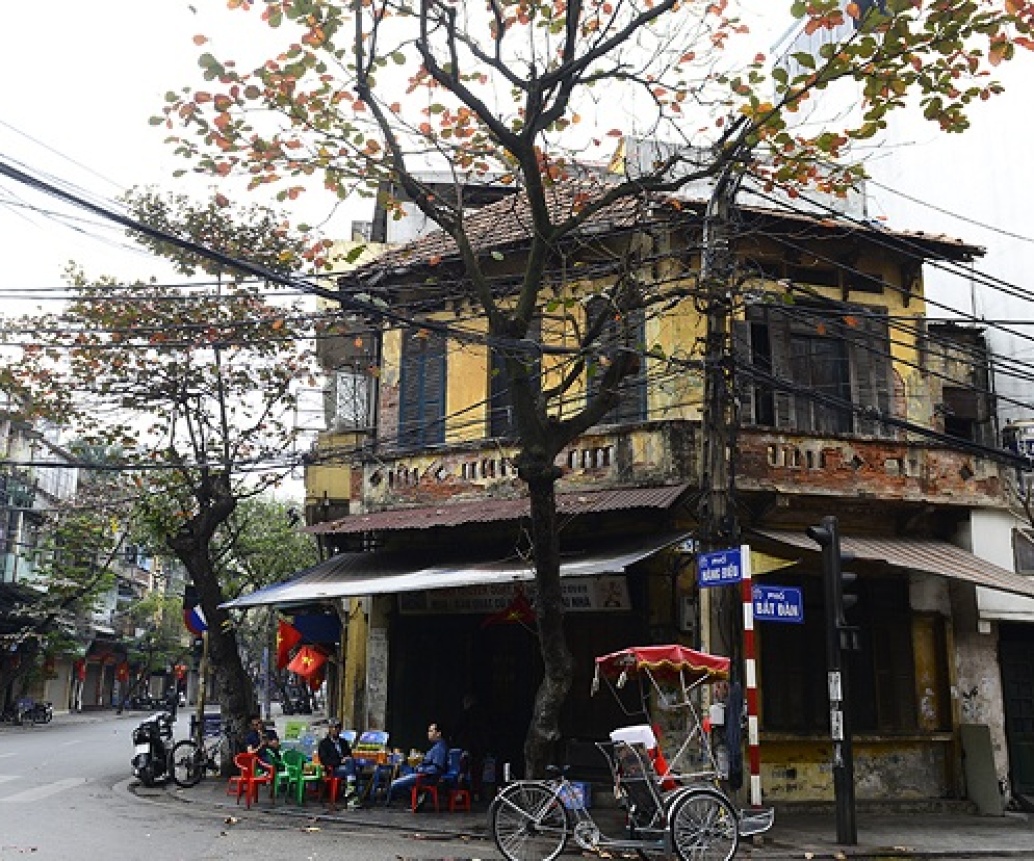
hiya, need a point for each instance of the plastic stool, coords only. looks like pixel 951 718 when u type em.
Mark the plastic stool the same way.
pixel 459 799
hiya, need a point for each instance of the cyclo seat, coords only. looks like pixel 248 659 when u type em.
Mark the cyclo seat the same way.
pixel 634 774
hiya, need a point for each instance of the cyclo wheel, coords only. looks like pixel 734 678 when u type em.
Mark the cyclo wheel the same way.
pixel 703 826
pixel 528 822
pixel 188 763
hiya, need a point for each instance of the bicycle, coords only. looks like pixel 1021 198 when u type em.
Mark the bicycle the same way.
pixel 192 758
pixel 532 820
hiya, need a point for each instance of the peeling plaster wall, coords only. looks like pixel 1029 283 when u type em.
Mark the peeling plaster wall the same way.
pixel 894 770
pixel 979 689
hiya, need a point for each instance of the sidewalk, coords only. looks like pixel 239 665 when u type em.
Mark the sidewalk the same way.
pixel 795 835
pixel 800 834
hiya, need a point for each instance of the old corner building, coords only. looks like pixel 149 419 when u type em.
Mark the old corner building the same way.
pixel 850 402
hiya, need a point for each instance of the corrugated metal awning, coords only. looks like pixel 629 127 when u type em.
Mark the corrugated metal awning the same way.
pixel 918 554
pixel 351 575
pixel 491 510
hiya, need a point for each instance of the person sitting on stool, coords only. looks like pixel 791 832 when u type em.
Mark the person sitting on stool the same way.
pixel 431 768
pixel 335 755
pixel 262 740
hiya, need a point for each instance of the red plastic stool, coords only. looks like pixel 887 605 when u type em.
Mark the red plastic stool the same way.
pixel 459 799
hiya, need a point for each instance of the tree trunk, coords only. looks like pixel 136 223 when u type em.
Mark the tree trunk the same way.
pixel 192 545
pixel 544 728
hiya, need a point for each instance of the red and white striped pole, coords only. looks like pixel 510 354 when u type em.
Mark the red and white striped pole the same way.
pixel 750 671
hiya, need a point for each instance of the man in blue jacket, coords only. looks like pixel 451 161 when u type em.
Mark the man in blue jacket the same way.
pixel 434 764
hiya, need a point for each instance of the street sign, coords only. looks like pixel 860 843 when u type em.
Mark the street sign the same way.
pixel 722 567
pixel 778 604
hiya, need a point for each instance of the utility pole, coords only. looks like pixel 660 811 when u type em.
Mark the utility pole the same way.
pixel 719 419
pixel 839 635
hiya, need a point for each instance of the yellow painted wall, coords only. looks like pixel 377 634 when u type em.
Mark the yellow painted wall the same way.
pixel 354 675
pixel 467 390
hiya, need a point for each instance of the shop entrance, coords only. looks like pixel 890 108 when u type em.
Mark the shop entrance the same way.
pixel 1017 660
pixel 437 660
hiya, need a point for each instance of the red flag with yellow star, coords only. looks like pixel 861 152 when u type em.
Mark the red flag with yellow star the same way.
pixel 307 661
pixel 518 612
pixel 287 637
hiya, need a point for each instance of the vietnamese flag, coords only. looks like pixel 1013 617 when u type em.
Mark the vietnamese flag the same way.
pixel 518 612
pixel 307 661
pixel 287 637
pixel 317 679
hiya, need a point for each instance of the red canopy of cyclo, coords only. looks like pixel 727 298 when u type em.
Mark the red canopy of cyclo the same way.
pixel 664 664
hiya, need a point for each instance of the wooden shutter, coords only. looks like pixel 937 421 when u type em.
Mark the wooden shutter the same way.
pixel 629 334
pixel 746 385
pixel 869 351
pixel 784 401
pixel 502 422
pixel 422 389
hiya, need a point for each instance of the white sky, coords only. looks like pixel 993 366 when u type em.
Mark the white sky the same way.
pixel 81 81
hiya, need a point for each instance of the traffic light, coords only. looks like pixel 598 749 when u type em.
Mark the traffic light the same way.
pixel 838 582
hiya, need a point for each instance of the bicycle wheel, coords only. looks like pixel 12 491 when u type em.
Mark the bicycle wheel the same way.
pixel 528 822
pixel 188 763
pixel 703 826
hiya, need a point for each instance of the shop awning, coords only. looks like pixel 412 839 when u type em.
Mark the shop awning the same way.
pixel 917 554
pixel 495 510
pixel 351 575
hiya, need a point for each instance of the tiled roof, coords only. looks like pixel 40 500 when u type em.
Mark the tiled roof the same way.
pixel 507 224
pixel 504 223
pixel 494 510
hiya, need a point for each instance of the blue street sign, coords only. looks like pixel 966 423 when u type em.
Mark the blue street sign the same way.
pixel 778 604
pixel 720 568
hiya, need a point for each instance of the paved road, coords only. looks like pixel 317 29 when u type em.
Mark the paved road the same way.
pixel 66 792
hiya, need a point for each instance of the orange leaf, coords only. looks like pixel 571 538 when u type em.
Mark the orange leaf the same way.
pixel 200 40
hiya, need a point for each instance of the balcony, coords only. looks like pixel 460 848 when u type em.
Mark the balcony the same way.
pixel 859 467
pixel 627 456
pixel 659 453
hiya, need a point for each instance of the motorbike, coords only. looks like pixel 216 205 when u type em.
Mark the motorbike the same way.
pixel 152 746
pixel 39 712
pixel 27 710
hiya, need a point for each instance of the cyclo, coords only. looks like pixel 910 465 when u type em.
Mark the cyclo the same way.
pixel 685 812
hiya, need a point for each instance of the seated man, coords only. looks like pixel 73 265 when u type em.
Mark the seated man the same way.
pixel 434 764
pixel 335 755
pixel 262 740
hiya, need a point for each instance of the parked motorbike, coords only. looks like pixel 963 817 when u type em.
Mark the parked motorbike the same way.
pixel 152 745
pixel 27 710
pixel 39 713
